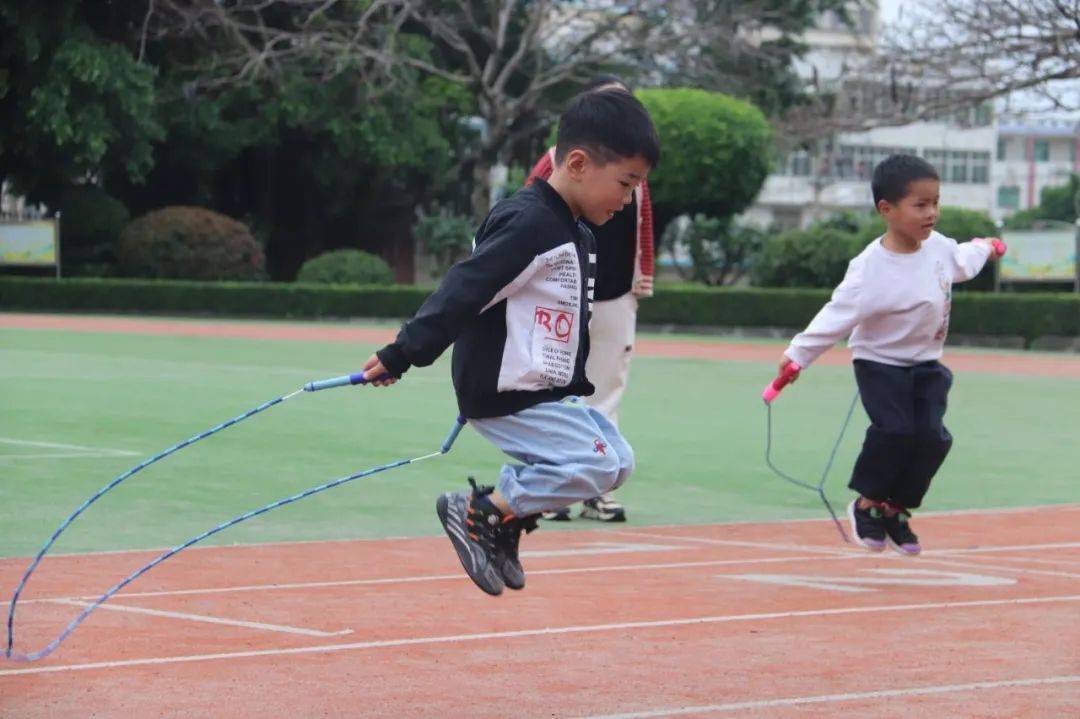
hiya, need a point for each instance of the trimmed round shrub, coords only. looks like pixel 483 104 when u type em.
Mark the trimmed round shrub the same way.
pixel 815 257
pixel 347 267
pixel 91 216
pixel 716 152
pixel 91 221
pixel 190 243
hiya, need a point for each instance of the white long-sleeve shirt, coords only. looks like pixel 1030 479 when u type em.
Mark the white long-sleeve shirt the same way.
pixel 895 306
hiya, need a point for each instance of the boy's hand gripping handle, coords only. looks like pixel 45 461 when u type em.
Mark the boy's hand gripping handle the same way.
pixel 342 381
pixel 998 246
pixel 782 380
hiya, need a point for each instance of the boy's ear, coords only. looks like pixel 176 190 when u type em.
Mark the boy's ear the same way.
pixel 883 206
pixel 576 161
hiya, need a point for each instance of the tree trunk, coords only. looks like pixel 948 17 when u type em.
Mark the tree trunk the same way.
pixel 481 190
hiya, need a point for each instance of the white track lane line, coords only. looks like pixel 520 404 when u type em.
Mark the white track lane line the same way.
pixel 206 618
pixel 443 578
pixel 75 447
pixel 848 697
pixel 831 555
pixel 549 631
pixel 977 563
pixel 597 532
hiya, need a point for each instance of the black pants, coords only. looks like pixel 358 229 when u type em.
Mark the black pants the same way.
pixel 907 440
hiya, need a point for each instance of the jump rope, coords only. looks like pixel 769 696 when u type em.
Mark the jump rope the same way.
pixel 772 391
pixel 343 381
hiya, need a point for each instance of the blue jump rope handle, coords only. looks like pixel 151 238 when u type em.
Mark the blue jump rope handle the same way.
pixel 341 381
pixel 458 426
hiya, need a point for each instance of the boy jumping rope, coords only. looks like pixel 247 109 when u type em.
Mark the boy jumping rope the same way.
pixel 517 312
pixel 895 301
pixel 624 272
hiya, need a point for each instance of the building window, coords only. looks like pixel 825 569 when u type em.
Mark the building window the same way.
pixel 1009 197
pixel 937 159
pixel 983 115
pixel 787 218
pixel 958 167
pixel 796 164
pixel 1041 150
pixel 1001 149
pixel 980 168
pixel 964 167
pixel 857 162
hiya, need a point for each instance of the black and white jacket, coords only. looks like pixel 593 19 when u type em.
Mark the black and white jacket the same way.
pixel 517 310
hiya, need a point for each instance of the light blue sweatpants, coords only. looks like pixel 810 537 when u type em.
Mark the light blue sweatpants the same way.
pixel 569 453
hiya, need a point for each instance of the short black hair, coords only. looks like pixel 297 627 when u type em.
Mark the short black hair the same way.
pixel 608 124
pixel 894 175
pixel 602 80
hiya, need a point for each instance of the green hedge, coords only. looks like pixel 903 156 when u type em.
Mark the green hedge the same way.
pixel 236 299
pixel 1027 315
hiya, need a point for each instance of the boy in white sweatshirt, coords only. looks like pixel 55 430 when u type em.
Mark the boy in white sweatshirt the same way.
pixel 894 301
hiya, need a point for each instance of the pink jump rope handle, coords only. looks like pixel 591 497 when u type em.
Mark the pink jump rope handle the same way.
pixel 999 246
pixel 782 380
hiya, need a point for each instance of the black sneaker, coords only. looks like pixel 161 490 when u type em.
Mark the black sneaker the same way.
pixel 473 524
pixel 868 526
pixel 899 534
pixel 508 562
pixel 559 515
pixel 603 508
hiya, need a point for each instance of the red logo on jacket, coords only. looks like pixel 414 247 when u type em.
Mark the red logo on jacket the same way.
pixel 558 324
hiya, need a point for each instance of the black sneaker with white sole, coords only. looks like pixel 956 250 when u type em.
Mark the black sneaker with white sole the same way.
pixel 558 515
pixel 868 526
pixel 603 509
pixel 473 524
pixel 899 534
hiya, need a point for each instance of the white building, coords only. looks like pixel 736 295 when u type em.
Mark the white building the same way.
pixel 807 187
pixel 1030 156
pixel 985 166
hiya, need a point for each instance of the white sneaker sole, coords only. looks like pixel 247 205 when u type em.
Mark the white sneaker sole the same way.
pixel 855 534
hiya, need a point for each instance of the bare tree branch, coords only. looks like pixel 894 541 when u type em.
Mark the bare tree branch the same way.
pixel 956 55
pixel 509 54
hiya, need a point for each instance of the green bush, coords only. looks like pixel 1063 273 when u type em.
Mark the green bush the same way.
pixel 91 221
pixel 867 225
pixel 236 299
pixel 190 243
pixel 1025 315
pixel 720 253
pixel 815 257
pixel 1061 203
pixel 1029 316
pixel 346 267
pixel 445 236
pixel 716 152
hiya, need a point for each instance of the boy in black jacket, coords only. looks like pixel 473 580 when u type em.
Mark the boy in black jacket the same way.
pixel 517 312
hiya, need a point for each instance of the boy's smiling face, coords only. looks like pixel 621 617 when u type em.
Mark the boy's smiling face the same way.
pixel 600 189
pixel 914 215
